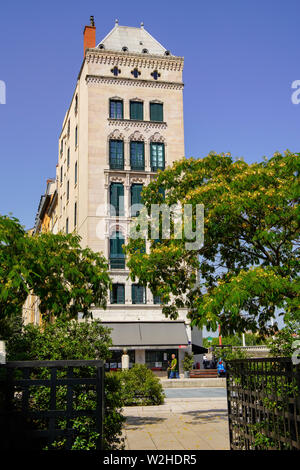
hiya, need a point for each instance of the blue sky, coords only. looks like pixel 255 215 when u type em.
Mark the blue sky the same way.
pixel 241 57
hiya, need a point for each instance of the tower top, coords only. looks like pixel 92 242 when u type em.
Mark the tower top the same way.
pixel 132 39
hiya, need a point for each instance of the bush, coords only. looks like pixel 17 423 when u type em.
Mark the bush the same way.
pixel 188 362
pixel 228 353
pixel 141 387
pixel 67 340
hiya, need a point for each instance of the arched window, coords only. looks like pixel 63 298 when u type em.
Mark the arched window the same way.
pixel 137 156
pixel 116 254
pixel 116 154
pixel 157 156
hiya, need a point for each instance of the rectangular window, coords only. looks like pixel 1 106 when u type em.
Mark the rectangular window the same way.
pixel 68 131
pixel 67 225
pixel 117 295
pixel 137 156
pixel 136 110
pixel 116 109
pixel 136 198
pixel 61 174
pixel 116 254
pixel 159 359
pixel 156 112
pixel 138 294
pixel 75 173
pixel 116 154
pixel 157 156
pixel 61 146
pixel 68 190
pixel 76 104
pixel 117 199
pixel 68 158
pixel 75 214
pixel 76 136
pixel 156 299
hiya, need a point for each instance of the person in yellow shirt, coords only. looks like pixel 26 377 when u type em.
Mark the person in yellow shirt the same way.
pixel 174 368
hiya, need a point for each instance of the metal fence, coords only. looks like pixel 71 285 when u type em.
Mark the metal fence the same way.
pixel 263 404
pixel 51 404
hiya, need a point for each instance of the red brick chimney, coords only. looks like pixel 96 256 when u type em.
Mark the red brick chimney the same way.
pixel 89 36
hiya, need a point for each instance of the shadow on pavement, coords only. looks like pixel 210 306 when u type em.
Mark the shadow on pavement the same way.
pixel 138 421
pixel 206 415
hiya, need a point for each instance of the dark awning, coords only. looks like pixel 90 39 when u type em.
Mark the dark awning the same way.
pixel 148 335
pixel 198 349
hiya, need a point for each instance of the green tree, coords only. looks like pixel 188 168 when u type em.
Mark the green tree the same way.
pixel 248 263
pixel 282 343
pixel 67 278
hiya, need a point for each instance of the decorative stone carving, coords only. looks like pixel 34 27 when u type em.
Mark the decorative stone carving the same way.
pixel 136 99
pixel 98 79
pixel 116 179
pixel 137 180
pixel 145 125
pixel 116 135
pixel 135 60
pixel 136 136
pixel 157 137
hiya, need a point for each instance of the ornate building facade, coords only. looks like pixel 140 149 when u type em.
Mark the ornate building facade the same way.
pixel 124 123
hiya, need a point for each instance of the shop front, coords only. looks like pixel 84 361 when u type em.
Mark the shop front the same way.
pixel 150 343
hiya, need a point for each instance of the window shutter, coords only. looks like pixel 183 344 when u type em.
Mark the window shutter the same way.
pixel 133 293
pixel 120 294
pixel 136 110
pixel 137 155
pixel 136 190
pixel 117 198
pixel 156 112
pixel 120 200
pixel 138 294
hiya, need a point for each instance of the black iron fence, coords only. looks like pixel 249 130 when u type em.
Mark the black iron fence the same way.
pixel 51 404
pixel 263 404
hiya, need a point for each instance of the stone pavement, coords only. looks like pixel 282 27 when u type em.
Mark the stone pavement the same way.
pixel 179 424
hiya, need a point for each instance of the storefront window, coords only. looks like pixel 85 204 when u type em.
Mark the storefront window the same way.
pixel 159 359
pixel 115 361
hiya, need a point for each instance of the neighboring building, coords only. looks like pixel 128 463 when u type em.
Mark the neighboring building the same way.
pixel 46 217
pixel 124 123
pixel 45 221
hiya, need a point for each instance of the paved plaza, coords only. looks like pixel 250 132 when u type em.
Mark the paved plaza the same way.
pixel 183 423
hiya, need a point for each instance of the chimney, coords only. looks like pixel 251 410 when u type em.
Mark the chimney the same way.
pixel 89 36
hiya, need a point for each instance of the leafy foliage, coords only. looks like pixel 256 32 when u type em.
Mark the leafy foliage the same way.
pixel 188 362
pixel 141 386
pixel 282 343
pixel 65 340
pixel 248 263
pixel 67 278
pixel 236 340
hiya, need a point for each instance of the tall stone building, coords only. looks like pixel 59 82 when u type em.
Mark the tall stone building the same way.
pixel 124 123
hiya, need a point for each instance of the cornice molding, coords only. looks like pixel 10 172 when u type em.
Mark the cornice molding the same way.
pixel 129 123
pixel 134 60
pixel 96 79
